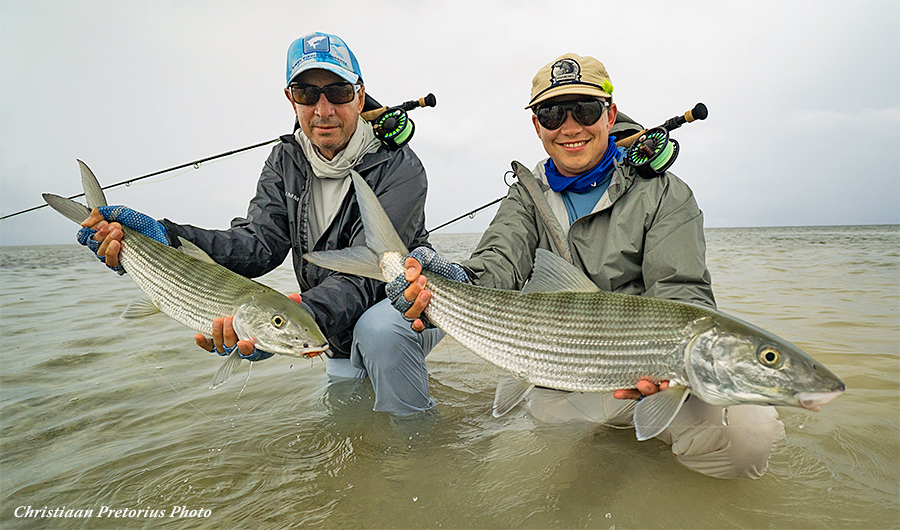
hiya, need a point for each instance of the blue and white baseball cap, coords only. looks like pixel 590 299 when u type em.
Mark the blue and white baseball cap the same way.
pixel 325 51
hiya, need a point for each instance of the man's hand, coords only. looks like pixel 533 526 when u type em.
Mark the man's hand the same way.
pixel 644 388
pixel 108 236
pixel 416 293
pixel 411 284
pixel 102 231
pixel 224 338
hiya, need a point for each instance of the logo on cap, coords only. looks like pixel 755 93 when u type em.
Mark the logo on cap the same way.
pixel 565 71
pixel 317 43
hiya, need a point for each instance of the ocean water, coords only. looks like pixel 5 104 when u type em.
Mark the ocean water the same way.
pixel 116 417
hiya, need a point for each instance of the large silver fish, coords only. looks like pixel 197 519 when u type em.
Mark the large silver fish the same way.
pixel 189 287
pixel 561 331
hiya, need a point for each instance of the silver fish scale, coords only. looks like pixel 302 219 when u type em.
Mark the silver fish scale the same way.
pixel 595 343
pixel 191 291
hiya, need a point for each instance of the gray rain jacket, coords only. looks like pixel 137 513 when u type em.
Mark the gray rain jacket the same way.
pixel 647 239
pixel 277 221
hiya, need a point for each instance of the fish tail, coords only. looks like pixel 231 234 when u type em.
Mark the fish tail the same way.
pixel 75 210
pixel 92 190
pixel 69 208
pixel 381 239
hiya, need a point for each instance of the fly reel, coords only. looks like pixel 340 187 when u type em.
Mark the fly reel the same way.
pixel 394 128
pixel 653 152
pixel 392 125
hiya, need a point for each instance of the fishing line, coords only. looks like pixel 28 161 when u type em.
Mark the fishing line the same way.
pixel 186 400
pixel 130 340
pixel 245 382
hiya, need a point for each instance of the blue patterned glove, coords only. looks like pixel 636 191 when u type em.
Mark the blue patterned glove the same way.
pixel 257 355
pixel 432 262
pixel 127 217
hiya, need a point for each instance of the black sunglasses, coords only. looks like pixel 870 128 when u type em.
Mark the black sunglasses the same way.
pixel 336 93
pixel 585 111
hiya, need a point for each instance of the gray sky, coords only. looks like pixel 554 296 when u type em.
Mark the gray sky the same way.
pixel 804 98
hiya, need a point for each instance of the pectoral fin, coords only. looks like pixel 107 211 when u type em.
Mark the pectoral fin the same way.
pixel 510 391
pixel 654 413
pixel 227 369
pixel 140 307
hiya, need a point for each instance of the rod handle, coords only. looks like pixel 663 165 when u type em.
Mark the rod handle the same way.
pixel 699 112
pixel 427 101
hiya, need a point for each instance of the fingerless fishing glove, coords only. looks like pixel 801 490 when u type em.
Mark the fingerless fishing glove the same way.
pixel 432 262
pixel 257 355
pixel 127 217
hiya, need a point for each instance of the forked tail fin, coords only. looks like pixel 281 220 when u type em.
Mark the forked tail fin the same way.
pixel 92 190
pixel 69 208
pixel 381 238
pixel 75 210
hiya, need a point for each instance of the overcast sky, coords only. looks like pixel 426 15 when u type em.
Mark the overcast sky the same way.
pixel 803 97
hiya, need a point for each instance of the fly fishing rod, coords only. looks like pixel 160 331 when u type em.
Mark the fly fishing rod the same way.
pixel 391 126
pixel 196 164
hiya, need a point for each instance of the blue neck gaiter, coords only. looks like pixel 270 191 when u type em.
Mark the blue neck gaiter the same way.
pixel 585 181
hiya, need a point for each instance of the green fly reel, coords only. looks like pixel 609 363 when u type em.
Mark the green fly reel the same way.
pixel 394 128
pixel 391 125
pixel 653 152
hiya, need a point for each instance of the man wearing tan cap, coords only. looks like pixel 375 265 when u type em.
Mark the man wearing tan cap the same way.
pixel 628 234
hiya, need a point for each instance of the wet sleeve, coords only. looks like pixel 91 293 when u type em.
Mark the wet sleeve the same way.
pixel 702 442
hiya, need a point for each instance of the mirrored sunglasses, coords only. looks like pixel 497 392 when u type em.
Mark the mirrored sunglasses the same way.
pixel 585 111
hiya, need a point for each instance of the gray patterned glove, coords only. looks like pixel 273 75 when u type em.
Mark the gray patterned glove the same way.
pixel 432 262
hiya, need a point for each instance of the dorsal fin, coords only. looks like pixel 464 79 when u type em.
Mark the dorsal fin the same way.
pixel 553 274
pixel 194 251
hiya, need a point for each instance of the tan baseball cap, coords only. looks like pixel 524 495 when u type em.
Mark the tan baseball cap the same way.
pixel 570 74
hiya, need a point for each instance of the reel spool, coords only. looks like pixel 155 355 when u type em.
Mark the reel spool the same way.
pixel 394 128
pixel 653 152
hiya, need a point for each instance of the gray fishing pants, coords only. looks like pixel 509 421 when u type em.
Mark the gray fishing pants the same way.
pixel 388 351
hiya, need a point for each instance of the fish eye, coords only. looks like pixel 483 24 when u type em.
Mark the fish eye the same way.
pixel 278 321
pixel 306 345
pixel 769 357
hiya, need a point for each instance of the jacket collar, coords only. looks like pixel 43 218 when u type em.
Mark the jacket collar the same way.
pixel 366 163
pixel 621 182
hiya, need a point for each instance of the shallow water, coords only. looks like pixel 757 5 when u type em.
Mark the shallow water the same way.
pixel 98 412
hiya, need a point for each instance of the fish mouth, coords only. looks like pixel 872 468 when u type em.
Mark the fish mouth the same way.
pixel 313 352
pixel 813 400
pixel 304 353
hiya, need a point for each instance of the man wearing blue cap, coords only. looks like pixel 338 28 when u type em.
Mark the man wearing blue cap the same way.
pixel 304 203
